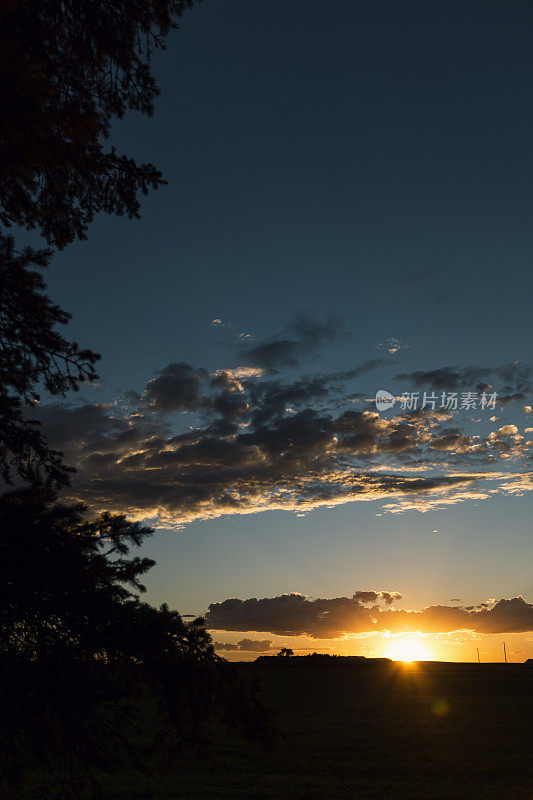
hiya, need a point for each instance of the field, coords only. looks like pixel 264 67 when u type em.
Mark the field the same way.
pixel 427 732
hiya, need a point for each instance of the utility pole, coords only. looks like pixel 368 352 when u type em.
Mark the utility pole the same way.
pixel 478 658
pixel 504 653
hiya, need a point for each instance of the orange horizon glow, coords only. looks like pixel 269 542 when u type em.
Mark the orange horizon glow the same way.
pixel 405 647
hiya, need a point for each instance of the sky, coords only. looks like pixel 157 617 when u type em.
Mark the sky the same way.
pixel 347 210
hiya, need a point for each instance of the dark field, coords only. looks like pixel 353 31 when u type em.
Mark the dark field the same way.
pixel 433 731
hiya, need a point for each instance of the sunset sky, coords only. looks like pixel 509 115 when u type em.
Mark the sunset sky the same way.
pixel 348 210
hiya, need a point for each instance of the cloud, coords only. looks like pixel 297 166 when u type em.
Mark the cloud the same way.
pixel 508 441
pixel 451 440
pixel 297 615
pixel 176 388
pixel 77 426
pixel 302 337
pixel 247 645
pixel 509 377
pixel 392 345
pixel 239 373
pixel 389 598
pixel 250 452
pixel 254 441
pixel 272 398
pixel 506 399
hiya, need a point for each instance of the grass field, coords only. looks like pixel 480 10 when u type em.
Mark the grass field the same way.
pixel 428 732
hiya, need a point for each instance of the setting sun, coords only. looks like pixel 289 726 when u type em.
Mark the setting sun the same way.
pixel 408 648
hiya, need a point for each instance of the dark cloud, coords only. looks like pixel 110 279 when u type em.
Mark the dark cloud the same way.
pixel 297 615
pixel 375 597
pixel 507 378
pixel 361 369
pixel 176 388
pixel 225 646
pixel 515 375
pixel 246 645
pixel 272 398
pixel 451 440
pixel 77 425
pixel 294 614
pixel 302 337
pixel 517 397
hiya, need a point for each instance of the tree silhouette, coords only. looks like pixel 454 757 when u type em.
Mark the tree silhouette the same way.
pixel 286 652
pixel 33 354
pixel 67 68
pixel 78 648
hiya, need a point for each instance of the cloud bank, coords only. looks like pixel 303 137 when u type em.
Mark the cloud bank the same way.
pixel 364 612
pixel 198 444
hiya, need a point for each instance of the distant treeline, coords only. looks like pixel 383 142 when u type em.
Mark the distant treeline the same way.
pixel 319 660
pixel 332 661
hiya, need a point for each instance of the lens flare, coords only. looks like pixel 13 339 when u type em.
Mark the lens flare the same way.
pixel 440 707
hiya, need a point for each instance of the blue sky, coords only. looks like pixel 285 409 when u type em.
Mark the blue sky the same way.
pixel 370 162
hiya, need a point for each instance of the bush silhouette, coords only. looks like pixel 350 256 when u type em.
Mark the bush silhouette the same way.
pixel 78 648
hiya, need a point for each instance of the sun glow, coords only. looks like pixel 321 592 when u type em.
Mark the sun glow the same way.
pixel 408 649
